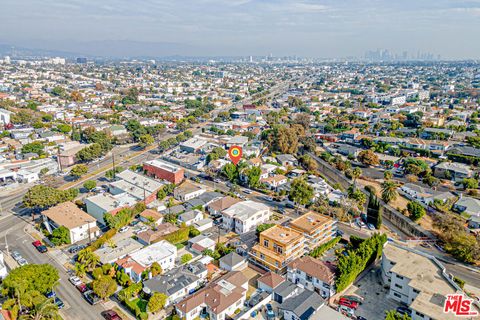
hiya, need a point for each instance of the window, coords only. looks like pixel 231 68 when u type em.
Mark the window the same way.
pixel 397 295
pixel 416 291
pixel 398 286
pixel 399 277
pixel 392 263
pixel 419 314
pixel 309 278
pixel 265 243
pixel 262 256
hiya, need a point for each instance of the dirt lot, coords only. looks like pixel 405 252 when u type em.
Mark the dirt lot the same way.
pixel 252 276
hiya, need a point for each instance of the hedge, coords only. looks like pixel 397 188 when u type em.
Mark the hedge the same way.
pixel 318 251
pixel 104 238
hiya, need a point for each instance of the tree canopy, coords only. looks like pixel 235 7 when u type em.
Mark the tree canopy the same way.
pixel 41 196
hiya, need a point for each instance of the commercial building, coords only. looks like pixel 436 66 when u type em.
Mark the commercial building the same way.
pixel 245 216
pixel 80 224
pixel 164 170
pixel 136 185
pixel 316 228
pixel 278 246
pixel 423 288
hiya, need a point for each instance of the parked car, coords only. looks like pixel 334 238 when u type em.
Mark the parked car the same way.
pixel 58 302
pixel 91 297
pixel 16 255
pixel 111 315
pixel 361 224
pixel 340 233
pixel 270 312
pixel 353 298
pixel 267 198
pixel 75 280
pixel 37 243
pixel 42 249
pixel 134 223
pixel 247 191
pixel 371 226
pixel 348 303
pixel 140 230
pixel 50 294
pixel 22 262
pixel 123 229
pixel 82 287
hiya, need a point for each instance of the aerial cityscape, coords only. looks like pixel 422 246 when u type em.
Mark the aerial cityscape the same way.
pixel 224 170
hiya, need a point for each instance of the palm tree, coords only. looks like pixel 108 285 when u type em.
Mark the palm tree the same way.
pixel 45 310
pixel 88 258
pixel 357 172
pixel 389 191
pixel 80 269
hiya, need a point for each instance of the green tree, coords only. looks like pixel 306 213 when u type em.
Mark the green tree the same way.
pixel 186 258
pixel 157 301
pixel 356 173
pixel 416 210
pixel 145 140
pixel 110 174
pixel 387 175
pixel 90 184
pixel 42 197
pixel 88 258
pixel 58 91
pixel 156 269
pixel 300 191
pixel 470 183
pixel 47 309
pixel 264 226
pixel 230 171
pixel 64 128
pixel 39 277
pixel 79 170
pixel 104 287
pixel 253 176
pixel 34 147
pixel 389 191
pixel 60 236
pixel 394 315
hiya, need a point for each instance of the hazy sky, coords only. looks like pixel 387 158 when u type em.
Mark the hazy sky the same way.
pixel 321 28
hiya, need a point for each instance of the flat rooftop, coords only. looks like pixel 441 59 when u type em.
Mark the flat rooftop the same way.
pixel 310 221
pixel 282 234
pixel 163 165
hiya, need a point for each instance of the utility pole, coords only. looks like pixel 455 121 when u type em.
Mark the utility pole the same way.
pixel 113 164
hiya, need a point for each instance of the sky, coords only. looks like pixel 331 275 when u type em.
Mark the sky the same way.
pixel 308 28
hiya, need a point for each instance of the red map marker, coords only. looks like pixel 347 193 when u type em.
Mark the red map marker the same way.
pixel 235 154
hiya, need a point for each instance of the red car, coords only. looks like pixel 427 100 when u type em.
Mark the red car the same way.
pixel 37 243
pixel 111 315
pixel 82 287
pixel 348 303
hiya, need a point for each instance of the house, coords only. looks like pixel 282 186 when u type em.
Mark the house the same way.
pixel 177 283
pixel 301 306
pixel 470 206
pixel 237 141
pixel 187 191
pixel 149 215
pixel 287 160
pixel 316 228
pixel 100 204
pixel 162 252
pixel 219 299
pixel 244 216
pixel 150 236
pixel 275 181
pixel 216 207
pixel 122 248
pixel 314 275
pixel 269 281
pixel 131 267
pixel 425 195
pixel 164 170
pixel 67 156
pixel 80 224
pixel 285 290
pixel 453 170
pixel 422 288
pixel 233 262
pixel 201 243
pixel 474 222
pixel 277 247
pixel 203 224
pixel 190 217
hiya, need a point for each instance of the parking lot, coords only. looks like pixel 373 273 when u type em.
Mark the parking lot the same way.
pixel 375 302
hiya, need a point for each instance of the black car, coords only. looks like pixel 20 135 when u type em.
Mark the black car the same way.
pixel 91 297
pixel 404 310
pixel 42 249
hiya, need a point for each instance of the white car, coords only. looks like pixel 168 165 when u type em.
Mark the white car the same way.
pixel 268 198
pixel 140 230
pixel 16 255
pixel 123 229
pixel 361 224
pixel 75 280
pixel 247 191
pixel 22 262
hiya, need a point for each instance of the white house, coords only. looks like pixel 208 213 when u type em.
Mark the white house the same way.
pixel 187 191
pixel 3 267
pixel 245 216
pixel 313 275
pixel 190 217
pixel 80 224
pixel 162 252
pixel 233 262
